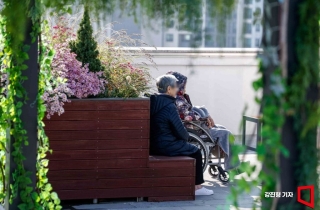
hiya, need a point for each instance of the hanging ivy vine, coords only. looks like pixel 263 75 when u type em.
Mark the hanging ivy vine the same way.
pixel 48 198
pixel 13 96
pixel 283 100
pixel 305 108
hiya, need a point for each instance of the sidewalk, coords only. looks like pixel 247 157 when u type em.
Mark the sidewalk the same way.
pixel 214 202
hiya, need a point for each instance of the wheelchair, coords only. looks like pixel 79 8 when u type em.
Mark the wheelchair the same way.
pixel 210 150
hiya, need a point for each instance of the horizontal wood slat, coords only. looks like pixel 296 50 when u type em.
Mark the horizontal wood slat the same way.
pixel 102 115
pixel 123 124
pixel 122 173
pixel 94 164
pixel 71 135
pixel 125 192
pixel 123 163
pixel 107 105
pixel 71 125
pixel 124 134
pixel 71 174
pixel 99 154
pixel 122 183
pixel 124 144
pixel 75 115
pixel 74 155
pixel 74 144
pixel 97 134
pixel 100 125
pixel 164 162
pixel 124 105
pixel 124 115
pixel 123 154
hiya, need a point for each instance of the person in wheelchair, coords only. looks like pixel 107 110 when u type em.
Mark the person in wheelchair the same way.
pixel 168 136
pixel 188 112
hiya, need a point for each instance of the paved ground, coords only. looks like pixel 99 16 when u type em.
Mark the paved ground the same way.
pixel 214 202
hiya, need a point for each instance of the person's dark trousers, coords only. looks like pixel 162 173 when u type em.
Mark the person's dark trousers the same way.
pixel 199 173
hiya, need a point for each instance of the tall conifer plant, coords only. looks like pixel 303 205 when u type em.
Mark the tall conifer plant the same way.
pixel 85 46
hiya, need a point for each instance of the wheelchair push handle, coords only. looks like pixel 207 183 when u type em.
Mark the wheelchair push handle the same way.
pixel 203 119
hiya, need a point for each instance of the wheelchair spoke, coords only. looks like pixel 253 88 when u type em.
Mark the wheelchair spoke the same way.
pixel 196 141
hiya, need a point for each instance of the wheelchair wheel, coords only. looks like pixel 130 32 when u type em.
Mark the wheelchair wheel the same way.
pixel 224 177
pixel 196 141
pixel 213 171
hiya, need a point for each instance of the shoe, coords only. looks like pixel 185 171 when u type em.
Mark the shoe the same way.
pixel 203 191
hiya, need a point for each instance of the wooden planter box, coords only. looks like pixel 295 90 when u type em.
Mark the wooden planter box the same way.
pixel 101 150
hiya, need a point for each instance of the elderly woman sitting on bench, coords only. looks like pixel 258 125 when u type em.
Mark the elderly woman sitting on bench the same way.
pixel 188 113
pixel 168 135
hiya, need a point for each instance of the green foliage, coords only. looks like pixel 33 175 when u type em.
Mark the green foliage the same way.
pixel 304 86
pixel 47 198
pixel 13 56
pixel 127 79
pixel 289 97
pixel 86 47
pixel 270 148
pixel 13 64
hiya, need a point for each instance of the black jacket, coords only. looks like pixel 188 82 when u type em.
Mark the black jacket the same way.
pixel 168 135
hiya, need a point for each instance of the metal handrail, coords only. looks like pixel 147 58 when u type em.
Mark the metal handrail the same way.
pixel 256 120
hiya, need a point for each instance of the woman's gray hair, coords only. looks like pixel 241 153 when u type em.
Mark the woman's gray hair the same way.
pixel 164 81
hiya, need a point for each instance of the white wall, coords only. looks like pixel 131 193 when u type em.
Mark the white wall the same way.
pixel 220 79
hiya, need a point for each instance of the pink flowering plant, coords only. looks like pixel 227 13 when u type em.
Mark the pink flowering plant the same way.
pixel 80 81
pixel 68 77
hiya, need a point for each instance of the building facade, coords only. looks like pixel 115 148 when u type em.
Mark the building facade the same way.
pixel 239 29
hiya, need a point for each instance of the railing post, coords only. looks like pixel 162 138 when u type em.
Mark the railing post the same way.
pixel 258 132
pixel 243 130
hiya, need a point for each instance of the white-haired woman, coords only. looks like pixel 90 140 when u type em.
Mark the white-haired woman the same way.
pixel 168 135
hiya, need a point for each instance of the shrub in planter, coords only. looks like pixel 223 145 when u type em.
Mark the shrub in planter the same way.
pixel 72 77
pixel 126 79
pixel 69 77
pixel 85 47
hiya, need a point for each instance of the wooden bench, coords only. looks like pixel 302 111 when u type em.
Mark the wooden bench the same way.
pixel 101 150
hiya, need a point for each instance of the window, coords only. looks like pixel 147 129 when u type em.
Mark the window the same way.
pixel 247 42
pixel 257 44
pixel 247 28
pixel 247 13
pixel 234 27
pixel 257 27
pixel 257 0
pixel 233 42
pixel 248 1
pixel 184 40
pixel 234 14
pixel 169 37
pixel 185 37
pixel 209 40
